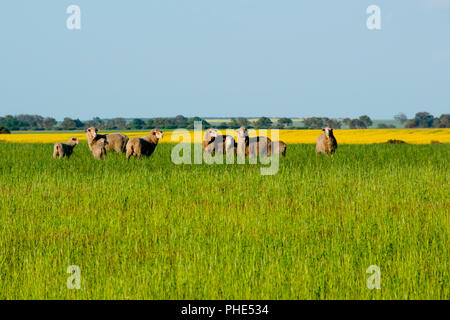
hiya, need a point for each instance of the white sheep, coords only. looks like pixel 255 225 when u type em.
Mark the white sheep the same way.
pixel 144 146
pixel 64 149
pixel 326 143
pixel 114 141
pixel 252 147
pixel 213 142
pixel 99 149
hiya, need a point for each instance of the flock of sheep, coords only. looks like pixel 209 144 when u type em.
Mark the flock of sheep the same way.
pixel 99 144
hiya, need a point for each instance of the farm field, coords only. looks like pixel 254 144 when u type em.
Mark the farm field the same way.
pixel 298 123
pixel 294 136
pixel 150 229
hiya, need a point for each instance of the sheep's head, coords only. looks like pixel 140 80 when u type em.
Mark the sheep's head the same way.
pixel 209 134
pixel 158 134
pixel 328 131
pixel 74 141
pixel 242 132
pixel 91 132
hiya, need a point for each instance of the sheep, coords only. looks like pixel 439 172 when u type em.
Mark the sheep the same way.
pixel 143 146
pixel 209 137
pixel 212 142
pixel 326 143
pixel 114 141
pixel 279 147
pixel 64 149
pixel 242 147
pixel 99 149
pixel 252 146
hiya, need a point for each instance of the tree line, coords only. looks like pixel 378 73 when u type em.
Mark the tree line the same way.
pixel 37 122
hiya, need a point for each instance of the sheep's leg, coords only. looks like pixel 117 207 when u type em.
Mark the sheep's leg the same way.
pixel 129 152
pixel 56 151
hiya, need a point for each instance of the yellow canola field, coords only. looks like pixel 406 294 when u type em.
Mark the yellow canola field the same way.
pixel 355 136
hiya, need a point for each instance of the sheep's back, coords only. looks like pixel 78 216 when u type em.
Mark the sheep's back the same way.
pixel 320 143
pixel 279 147
pixel 116 141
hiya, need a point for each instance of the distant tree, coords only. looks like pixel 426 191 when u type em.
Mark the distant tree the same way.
pixel 96 122
pixel 136 124
pixel 161 123
pixel 120 123
pixel 263 123
pixel 314 123
pixel 99 123
pixel 239 122
pixel 182 121
pixel 30 122
pixel 3 130
pixel 347 121
pixel 223 125
pixel 149 124
pixel 243 122
pixel 334 123
pixel 49 123
pixel 68 124
pixel 89 124
pixel 110 124
pixel 4 122
pixel 362 123
pixel 444 121
pixel 233 123
pixel 320 123
pixel 436 123
pixel 11 123
pixel 401 117
pixel 79 124
pixel 385 126
pixel 277 125
pixel 422 120
pixel 284 122
pixel 357 124
pixel 366 120
pixel 191 123
pixel 173 123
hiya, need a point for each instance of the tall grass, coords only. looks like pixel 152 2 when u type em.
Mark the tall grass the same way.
pixel 148 229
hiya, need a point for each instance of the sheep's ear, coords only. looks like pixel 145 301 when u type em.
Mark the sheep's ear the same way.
pixel 96 130
pixel 323 129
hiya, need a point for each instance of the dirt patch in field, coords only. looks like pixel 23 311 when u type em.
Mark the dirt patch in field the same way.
pixel 394 141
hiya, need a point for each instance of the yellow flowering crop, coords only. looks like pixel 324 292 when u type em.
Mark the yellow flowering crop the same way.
pixel 356 136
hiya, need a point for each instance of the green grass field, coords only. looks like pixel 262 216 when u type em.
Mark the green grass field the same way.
pixel 148 229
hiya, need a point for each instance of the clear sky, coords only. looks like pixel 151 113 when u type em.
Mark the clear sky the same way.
pixel 225 58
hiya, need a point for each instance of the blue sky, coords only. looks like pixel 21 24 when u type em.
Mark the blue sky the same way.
pixel 224 58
